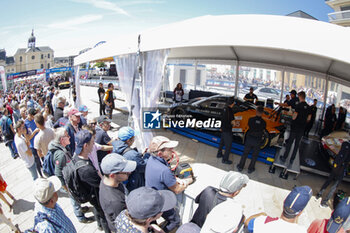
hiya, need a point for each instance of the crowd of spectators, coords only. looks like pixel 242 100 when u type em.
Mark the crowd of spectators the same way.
pixel 128 191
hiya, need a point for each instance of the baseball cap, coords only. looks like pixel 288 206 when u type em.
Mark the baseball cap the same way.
pixel 103 118
pixel 82 137
pixel 223 218
pixel 45 188
pixel 294 92
pixel 339 216
pixel 161 142
pixel 145 202
pixel 83 108
pixel 189 227
pixel 74 112
pixel 91 119
pixel 296 200
pixel 125 133
pixel 233 181
pixel 32 111
pixel 114 163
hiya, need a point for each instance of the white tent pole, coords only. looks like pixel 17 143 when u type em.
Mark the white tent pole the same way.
pixel 281 97
pixel 325 96
pixel 195 74
pixel 236 81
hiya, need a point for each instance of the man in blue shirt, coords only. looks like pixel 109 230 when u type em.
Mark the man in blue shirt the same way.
pixel 32 130
pixel 159 176
pixel 49 215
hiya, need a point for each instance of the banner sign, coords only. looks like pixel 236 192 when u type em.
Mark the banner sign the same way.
pixel 21 74
pixel 61 69
pixel 3 78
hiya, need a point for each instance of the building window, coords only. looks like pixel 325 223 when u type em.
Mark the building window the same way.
pixel 20 59
pixel 33 57
pixel 42 56
pixel 48 55
pixel 42 66
pixel 48 65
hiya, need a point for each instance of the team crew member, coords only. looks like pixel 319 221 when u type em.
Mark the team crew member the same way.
pixel 249 97
pixel 312 111
pixel 339 169
pixel 339 125
pixel 330 120
pixel 109 100
pixel 292 102
pixel 227 121
pixel 300 117
pixel 101 93
pixel 253 140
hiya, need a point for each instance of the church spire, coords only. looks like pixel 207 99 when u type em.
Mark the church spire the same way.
pixel 31 40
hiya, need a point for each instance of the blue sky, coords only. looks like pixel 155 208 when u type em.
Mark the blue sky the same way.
pixel 68 26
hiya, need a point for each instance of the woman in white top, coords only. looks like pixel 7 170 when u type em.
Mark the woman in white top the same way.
pixel 23 148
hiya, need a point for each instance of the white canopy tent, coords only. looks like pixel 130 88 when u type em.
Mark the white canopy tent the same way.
pixel 272 41
pixel 277 42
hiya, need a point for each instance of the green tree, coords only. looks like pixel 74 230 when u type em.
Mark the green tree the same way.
pixel 100 64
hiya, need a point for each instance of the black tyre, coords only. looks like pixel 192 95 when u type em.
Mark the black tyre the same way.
pixel 265 141
pixel 177 112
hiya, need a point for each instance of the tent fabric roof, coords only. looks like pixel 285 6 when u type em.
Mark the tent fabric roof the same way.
pixel 280 41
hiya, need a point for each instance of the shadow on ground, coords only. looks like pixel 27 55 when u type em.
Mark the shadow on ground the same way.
pixel 22 205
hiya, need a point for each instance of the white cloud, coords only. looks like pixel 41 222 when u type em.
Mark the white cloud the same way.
pixel 71 23
pixel 106 5
pixel 140 2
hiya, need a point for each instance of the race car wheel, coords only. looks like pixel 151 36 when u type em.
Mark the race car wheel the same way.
pixel 265 141
pixel 178 111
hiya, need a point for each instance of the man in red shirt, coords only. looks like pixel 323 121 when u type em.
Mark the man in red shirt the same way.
pixel 336 221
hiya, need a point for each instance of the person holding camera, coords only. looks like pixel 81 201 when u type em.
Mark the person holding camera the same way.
pixel 159 176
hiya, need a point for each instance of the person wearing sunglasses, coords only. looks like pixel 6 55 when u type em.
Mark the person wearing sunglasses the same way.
pixel 159 176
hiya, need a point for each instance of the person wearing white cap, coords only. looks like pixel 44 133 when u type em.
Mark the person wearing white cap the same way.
pixel 230 186
pixel 159 176
pixel 227 217
pixel 49 214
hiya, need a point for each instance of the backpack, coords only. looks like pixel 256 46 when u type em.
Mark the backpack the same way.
pixel 5 128
pixel 48 164
pixel 40 217
pixel 78 191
